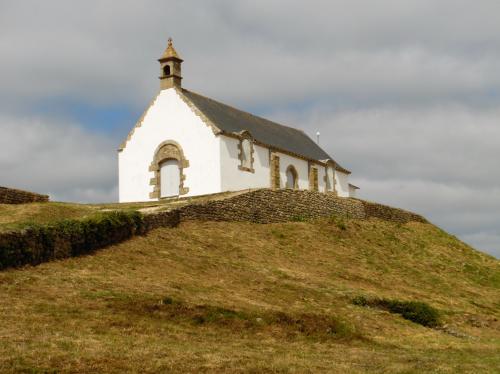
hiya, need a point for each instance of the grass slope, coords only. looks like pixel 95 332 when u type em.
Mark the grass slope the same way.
pixel 240 297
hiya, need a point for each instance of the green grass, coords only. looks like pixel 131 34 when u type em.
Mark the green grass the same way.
pixel 219 297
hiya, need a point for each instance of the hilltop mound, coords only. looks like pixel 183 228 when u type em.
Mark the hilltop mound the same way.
pixel 244 297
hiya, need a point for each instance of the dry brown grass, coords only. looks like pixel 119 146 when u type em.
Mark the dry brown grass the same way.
pixel 107 312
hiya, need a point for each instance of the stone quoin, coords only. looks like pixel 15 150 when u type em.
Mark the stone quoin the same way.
pixel 186 144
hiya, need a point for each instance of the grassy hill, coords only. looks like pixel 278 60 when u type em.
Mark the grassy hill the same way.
pixel 241 297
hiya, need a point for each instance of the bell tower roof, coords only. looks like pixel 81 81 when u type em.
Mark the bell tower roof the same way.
pixel 170 52
pixel 170 64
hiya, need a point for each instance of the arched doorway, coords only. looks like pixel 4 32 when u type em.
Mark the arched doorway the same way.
pixel 291 178
pixel 170 178
pixel 168 166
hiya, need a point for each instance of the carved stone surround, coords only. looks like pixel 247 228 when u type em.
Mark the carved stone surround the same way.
pixel 168 150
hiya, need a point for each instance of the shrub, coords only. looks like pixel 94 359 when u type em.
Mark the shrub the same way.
pixel 39 243
pixel 415 311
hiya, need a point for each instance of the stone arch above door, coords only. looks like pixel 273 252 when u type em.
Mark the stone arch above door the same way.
pixel 167 150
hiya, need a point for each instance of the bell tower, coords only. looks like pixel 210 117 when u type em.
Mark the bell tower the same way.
pixel 170 64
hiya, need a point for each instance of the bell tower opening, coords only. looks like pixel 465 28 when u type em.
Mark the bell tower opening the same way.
pixel 170 64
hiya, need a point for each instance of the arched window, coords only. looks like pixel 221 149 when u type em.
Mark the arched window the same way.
pixel 166 70
pixel 291 178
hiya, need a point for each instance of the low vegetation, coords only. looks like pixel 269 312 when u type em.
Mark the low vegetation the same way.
pixel 219 297
pixel 38 243
pixel 415 311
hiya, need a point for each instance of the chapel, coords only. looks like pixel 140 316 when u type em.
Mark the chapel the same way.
pixel 186 144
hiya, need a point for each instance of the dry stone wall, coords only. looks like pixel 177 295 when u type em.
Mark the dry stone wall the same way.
pixel 267 206
pixel 13 196
pixel 161 219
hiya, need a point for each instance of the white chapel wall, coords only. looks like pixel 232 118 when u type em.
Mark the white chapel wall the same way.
pixel 330 176
pixel 170 118
pixel 321 178
pixel 234 179
pixel 301 166
pixel 342 183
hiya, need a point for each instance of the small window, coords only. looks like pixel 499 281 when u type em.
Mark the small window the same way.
pixel 291 178
pixel 166 70
pixel 246 155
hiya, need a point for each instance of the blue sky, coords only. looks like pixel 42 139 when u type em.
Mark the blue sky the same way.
pixel 405 94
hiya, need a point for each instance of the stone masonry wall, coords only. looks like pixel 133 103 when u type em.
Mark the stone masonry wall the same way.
pixel 13 196
pixel 267 206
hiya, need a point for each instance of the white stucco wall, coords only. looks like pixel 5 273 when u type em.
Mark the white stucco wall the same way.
pixel 301 167
pixel 352 191
pixel 342 183
pixel 170 118
pixel 321 178
pixel 330 175
pixel 234 179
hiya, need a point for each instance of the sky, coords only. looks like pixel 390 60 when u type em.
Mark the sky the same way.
pixel 405 94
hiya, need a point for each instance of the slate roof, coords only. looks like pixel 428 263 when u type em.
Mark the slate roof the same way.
pixel 232 120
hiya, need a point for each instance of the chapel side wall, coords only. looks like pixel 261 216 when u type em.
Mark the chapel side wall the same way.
pixel 301 166
pixel 234 179
pixel 321 178
pixel 342 184
pixel 331 179
pixel 170 118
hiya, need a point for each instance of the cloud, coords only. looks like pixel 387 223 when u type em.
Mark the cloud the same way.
pixel 61 159
pixel 272 52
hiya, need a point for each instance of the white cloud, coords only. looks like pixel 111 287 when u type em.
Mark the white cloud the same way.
pixel 62 160
pixel 271 51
